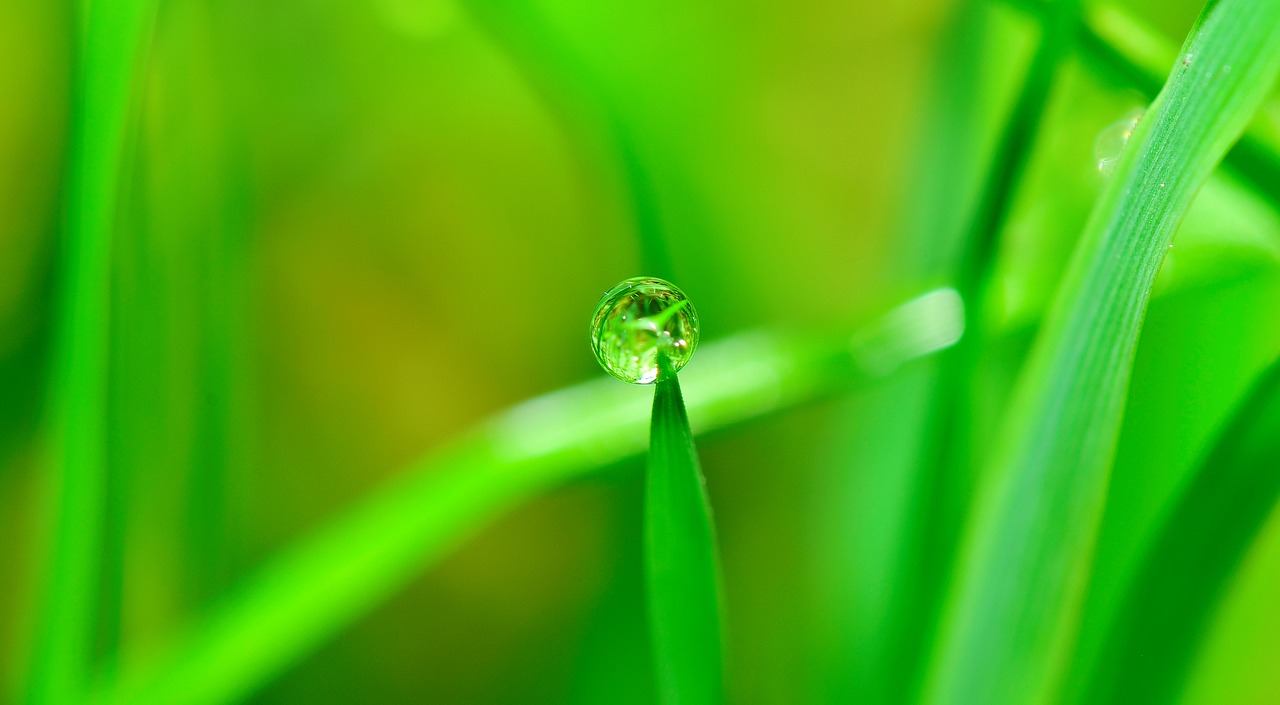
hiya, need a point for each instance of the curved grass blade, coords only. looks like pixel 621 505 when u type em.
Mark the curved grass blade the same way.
pixel 683 570
pixel 1019 589
pixel 1185 390
pixel 1135 54
pixel 111 39
pixel 1151 647
pixel 319 586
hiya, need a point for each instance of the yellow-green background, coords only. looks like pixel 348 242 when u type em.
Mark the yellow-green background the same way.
pixel 349 231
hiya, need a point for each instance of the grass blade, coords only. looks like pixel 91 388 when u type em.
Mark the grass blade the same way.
pixel 947 475
pixel 1203 542
pixel 111 41
pixel 321 585
pixel 1124 45
pixel 683 572
pixel 1134 54
pixel 1027 554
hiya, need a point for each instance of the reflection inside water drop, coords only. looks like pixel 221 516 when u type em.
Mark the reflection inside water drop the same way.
pixel 1110 143
pixel 638 321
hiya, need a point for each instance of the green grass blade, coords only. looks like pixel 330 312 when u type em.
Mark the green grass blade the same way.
pixel 1122 46
pixel 112 38
pixel 683 572
pixel 1125 46
pixel 1026 559
pixel 1185 389
pixel 1203 542
pixel 321 585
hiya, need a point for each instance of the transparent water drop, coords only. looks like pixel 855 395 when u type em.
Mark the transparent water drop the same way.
pixel 640 320
pixel 1110 143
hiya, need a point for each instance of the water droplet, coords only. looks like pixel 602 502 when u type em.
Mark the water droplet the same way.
pixel 638 320
pixel 1110 143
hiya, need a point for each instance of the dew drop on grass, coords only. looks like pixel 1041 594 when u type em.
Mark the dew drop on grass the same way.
pixel 636 321
pixel 1110 143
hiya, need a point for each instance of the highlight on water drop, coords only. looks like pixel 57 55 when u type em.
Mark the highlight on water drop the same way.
pixel 639 321
pixel 1111 142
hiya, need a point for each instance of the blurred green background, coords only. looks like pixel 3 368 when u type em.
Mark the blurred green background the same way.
pixel 349 231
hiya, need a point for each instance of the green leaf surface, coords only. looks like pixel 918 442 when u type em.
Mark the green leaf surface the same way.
pixel 1204 539
pixel 1237 663
pixel 1186 387
pixel 683 570
pixel 1015 608
pixel 111 40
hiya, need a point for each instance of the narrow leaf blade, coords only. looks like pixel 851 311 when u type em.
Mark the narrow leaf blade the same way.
pixel 1028 551
pixel 111 41
pixel 680 554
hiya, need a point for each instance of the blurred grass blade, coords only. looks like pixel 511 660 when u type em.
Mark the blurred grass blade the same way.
pixel 1158 630
pixel 322 585
pixel 948 473
pixel 682 568
pixel 874 602
pixel 316 588
pixel 111 41
pixel 571 86
pixel 954 147
pixel 1015 607
pixel 1013 151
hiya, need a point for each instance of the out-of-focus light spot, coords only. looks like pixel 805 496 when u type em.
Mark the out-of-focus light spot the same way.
pixel 930 322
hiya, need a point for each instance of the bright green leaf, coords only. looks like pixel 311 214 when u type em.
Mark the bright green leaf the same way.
pixel 682 567
pixel 1017 597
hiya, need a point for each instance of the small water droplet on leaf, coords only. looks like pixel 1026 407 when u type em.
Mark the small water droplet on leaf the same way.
pixel 639 320
pixel 1111 142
